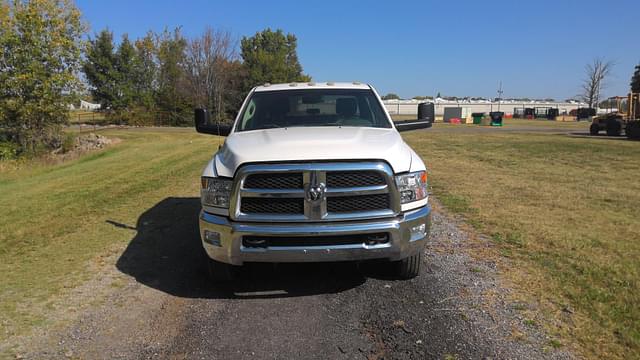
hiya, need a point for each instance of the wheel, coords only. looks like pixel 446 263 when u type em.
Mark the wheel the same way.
pixel 409 268
pixel 221 272
pixel 633 130
pixel 594 129
pixel 614 128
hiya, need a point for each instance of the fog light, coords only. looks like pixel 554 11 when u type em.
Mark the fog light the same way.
pixel 418 232
pixel 252 241
pixel 212 237
pixel 375 239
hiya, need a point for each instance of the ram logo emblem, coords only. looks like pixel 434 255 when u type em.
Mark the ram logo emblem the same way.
pixel 315 192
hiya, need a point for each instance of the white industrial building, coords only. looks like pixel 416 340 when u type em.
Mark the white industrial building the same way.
pixel 410 107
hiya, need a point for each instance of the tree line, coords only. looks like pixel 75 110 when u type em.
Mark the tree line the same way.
pixel 161 77
pixel 47 63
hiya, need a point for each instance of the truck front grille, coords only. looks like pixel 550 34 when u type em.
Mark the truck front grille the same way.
pixel 347 179
pixel 283 192
pixel 347 204
pixel 272 206
pixel 274 181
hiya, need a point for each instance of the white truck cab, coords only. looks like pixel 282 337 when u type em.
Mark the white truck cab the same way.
pixel 313 172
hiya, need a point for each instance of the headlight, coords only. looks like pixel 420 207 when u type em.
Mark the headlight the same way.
pixel 215 192
pixel 412 186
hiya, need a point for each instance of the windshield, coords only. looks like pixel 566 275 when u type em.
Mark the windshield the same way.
pixel 312 107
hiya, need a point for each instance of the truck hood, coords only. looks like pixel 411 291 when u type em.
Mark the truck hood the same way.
pixel 312 143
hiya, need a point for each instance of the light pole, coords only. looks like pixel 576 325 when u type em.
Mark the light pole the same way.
pixel 499 94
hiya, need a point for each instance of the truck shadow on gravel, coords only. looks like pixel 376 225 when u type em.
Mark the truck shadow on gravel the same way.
pixel 166 255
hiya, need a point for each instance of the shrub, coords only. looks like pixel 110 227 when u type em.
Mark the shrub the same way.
pixel 8 150
pixel 68 143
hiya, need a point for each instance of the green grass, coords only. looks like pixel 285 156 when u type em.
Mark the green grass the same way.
pixel 53 218
pixel 566 211
pixel 542 123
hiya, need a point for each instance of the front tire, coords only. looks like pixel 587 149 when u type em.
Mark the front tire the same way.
pixel 614 128
pixel 594 129
pixel 633 130
pixel 409 268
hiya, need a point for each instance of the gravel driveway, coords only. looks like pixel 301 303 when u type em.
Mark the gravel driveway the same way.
pixel 456 309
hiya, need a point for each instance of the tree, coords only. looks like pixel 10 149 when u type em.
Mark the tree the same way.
pixel 171 94
pixel 235 90
pixel 100 69
pixel 271 57
pixel 209 70
pixel 635 80
pixel 125 69
pixel 596 73
pixel 145 71
pixel 113 74
pixel 39 59
pixel 391 96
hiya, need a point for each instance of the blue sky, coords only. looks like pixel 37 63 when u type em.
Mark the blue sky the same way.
pixel 463 48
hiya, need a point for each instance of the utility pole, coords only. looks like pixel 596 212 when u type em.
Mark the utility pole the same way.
pixel 499 94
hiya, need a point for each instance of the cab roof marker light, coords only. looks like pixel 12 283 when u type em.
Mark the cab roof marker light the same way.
pixel 293 84
pixel 357 83
pixel 311 83
pixel 266 84
pixel 330 83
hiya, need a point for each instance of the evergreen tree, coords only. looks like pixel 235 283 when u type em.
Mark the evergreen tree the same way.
pixel 100 69
pixel 635 80
pixel 125 67
pixel 145 71
pixel 171 96
pixel 271 57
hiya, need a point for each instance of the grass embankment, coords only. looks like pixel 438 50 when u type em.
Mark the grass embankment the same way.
pixel 53 218
pixel 566 211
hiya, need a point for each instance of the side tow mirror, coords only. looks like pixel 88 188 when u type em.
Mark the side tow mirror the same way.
pixel 204 125
pixel 413 124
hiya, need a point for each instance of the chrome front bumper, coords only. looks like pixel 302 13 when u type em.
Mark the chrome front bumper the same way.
pixel 402 242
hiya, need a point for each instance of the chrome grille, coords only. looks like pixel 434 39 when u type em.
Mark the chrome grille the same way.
pixel 272 206
pixel 274 181
pixel 347 204
pixel 314 192
pixel 346 179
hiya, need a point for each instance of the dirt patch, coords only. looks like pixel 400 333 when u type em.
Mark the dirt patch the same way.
pixel 80 145
pixel 93 141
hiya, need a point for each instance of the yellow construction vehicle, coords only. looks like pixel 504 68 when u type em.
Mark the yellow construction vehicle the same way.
pixel 625 117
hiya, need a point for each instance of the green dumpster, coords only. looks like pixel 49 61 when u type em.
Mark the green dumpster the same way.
pixel 496 118
pixel 477 118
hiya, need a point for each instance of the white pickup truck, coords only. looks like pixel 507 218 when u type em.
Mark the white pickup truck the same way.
pixel 313 172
